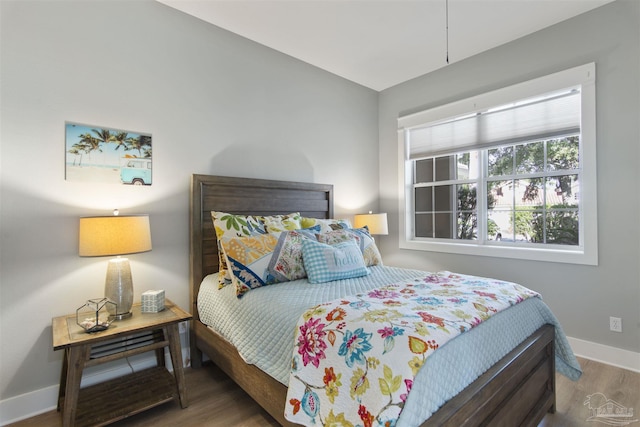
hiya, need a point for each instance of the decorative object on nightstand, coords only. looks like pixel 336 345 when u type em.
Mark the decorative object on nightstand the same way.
pixel 152 301
pixel 116 235
pixel 90 317
pixel 377 223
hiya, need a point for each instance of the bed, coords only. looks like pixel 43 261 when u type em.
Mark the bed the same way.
pixel 518 389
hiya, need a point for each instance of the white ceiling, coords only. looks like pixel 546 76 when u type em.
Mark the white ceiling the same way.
pixel 380 43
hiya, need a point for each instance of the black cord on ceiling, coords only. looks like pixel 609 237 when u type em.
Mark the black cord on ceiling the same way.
pixel 447 27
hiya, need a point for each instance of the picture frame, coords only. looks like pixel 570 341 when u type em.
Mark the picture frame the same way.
pixel 107 155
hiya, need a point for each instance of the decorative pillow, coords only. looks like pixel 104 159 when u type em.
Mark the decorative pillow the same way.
pixel 286 263
pixel 248 260
pixel 324 263
pixel 368 246
pixel 229 225
pixel 325 224
pixel 279 223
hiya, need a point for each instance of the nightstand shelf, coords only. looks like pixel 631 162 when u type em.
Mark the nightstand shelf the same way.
pixel 115 399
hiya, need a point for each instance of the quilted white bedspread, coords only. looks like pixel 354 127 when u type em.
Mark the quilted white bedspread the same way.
pixel 261 326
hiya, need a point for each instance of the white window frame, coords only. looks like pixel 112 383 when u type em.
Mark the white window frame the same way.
pixel 587 250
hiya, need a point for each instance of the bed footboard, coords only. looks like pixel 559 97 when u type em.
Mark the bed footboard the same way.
pixel 518 390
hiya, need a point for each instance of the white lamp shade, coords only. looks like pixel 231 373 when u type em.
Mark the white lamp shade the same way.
pixel 377 223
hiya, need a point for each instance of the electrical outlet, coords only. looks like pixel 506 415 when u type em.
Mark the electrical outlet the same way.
pixel 615 324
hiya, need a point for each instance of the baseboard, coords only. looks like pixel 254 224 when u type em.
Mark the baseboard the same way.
pixel 605 354
pixel 28 405
pixel 46 399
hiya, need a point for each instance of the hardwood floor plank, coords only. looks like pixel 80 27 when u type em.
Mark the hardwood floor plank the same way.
pixel 215 401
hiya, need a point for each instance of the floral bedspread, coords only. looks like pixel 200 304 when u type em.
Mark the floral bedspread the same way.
pixel 355 358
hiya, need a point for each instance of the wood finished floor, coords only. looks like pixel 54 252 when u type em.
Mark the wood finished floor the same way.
pixel 214 400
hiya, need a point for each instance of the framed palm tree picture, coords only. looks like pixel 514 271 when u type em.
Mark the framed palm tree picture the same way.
pixel 107 155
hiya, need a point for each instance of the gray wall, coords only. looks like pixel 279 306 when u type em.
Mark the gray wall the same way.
pixel 582 297
pixel 214 102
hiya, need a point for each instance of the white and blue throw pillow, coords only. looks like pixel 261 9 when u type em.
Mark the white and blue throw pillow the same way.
pixel 324 263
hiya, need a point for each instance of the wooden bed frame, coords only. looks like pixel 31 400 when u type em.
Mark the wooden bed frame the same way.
pixel 518 390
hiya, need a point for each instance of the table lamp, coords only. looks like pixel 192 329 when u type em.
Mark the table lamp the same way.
pixel 116 235
pixel 376 223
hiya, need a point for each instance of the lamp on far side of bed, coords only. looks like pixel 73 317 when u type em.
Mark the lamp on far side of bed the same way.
pixel 116 235
pixel 377 223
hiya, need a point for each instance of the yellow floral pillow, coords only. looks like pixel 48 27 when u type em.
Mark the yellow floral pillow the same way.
pixel 228 225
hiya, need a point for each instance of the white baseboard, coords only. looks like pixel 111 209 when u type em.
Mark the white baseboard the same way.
pixel 46 399
pixel 28 405
pixel 605 354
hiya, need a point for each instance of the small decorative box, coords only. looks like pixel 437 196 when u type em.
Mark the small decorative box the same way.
pixel 152 301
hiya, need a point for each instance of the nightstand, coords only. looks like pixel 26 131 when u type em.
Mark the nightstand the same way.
pixel 112 400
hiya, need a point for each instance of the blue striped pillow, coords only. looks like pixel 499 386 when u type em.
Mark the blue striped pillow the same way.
pixel 325 263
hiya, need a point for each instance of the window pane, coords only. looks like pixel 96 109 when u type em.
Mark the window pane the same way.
pixel 424 225
pixel 563 154
pixel 467 226
pixel 499 209
pixel 423 199
pixel 563 191
pixel 467 198
pixel 467 212
pixel 424 170
pixel 528 226
pixel 499 193
pixel 528 192
pixel 499 225
pixel 562 227
pixel 500 161
pixel 444 168
pixel 467 165
pixel 530 157
pixel 443 198
pixel 462 166
pixel 444 225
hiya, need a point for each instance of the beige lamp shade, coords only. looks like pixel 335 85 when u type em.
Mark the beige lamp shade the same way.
pixel 377 223
pixel 114 235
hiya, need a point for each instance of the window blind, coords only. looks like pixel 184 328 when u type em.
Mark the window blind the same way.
pixel 537 118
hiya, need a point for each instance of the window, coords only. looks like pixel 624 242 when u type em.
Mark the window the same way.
pixel 510 173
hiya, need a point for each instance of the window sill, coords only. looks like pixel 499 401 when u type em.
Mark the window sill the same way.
pixel 560 255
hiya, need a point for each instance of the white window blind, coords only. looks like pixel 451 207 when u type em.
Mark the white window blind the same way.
pixel 542 117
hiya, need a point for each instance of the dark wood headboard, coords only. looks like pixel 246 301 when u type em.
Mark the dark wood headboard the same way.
pixel 243 196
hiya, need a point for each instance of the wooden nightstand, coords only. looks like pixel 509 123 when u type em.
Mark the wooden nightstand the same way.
pixel 112 400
